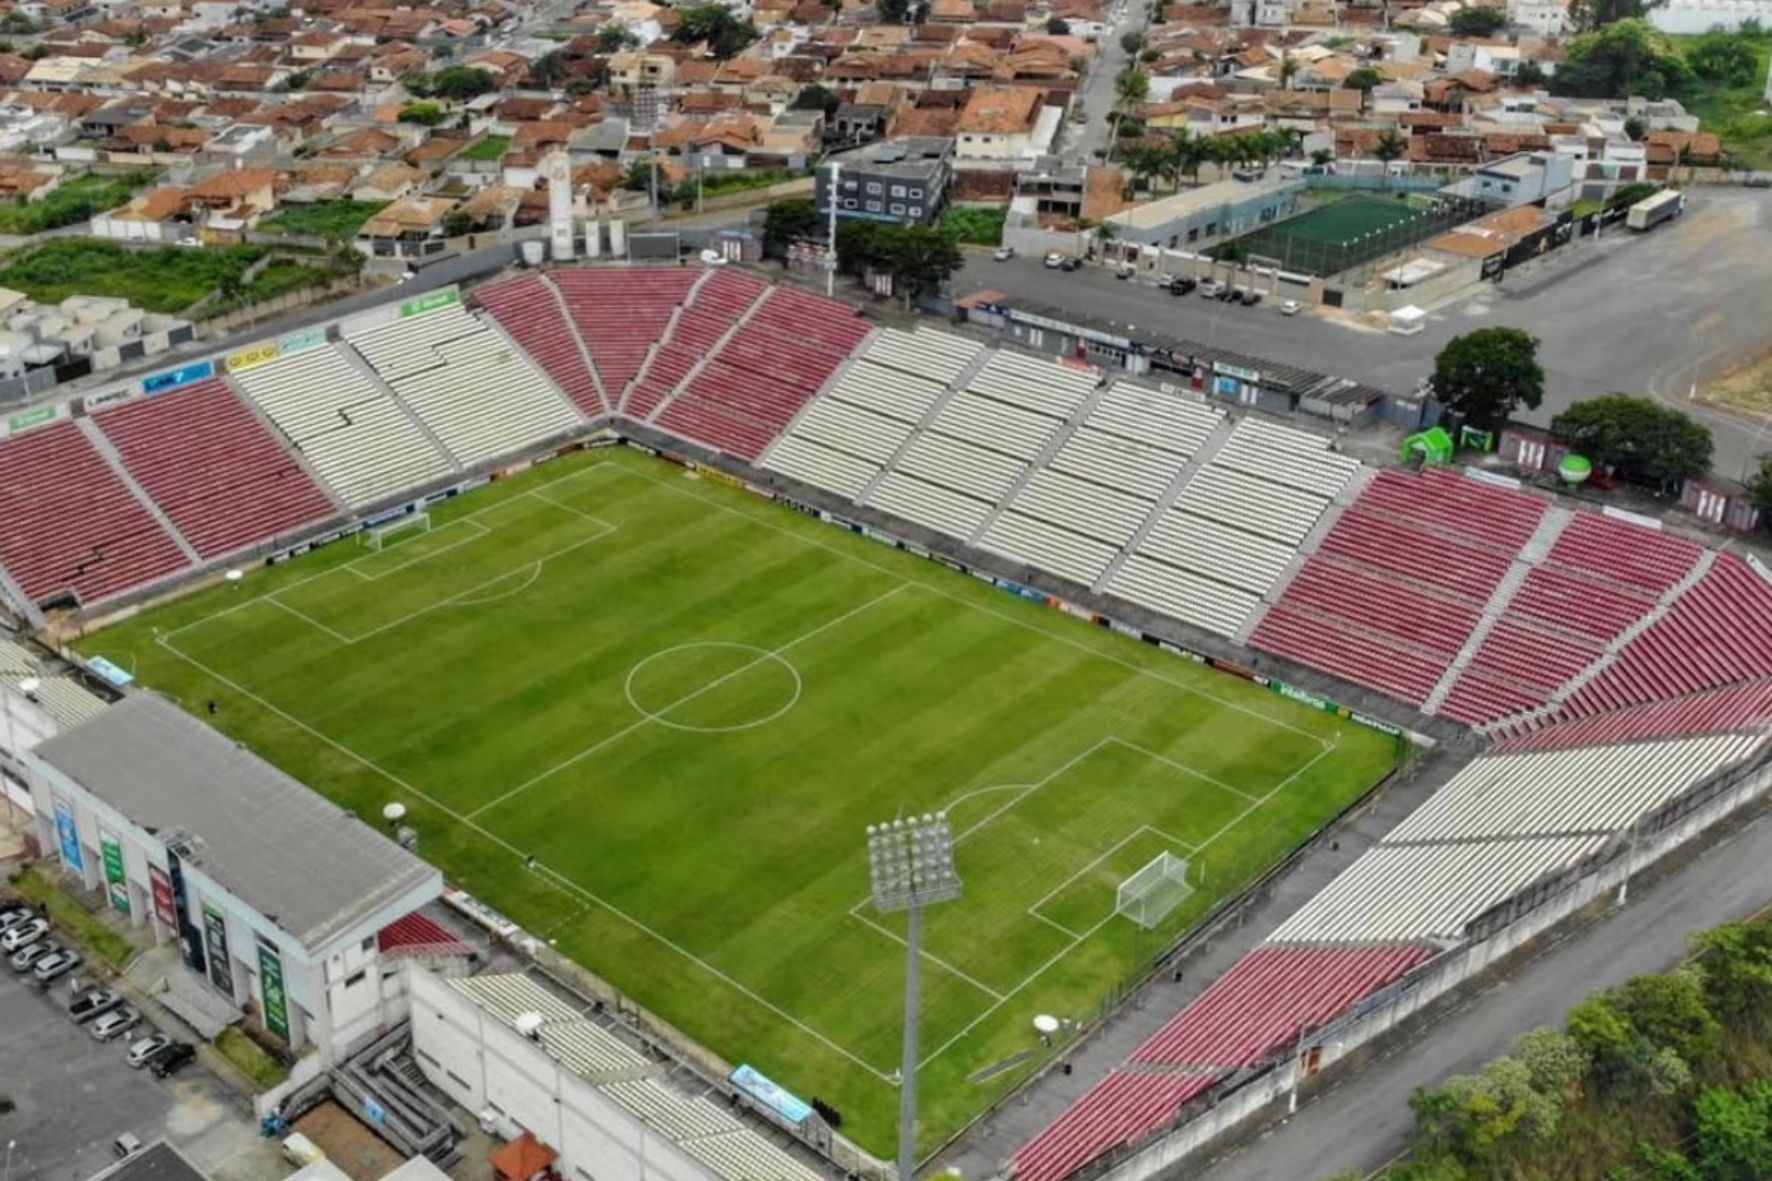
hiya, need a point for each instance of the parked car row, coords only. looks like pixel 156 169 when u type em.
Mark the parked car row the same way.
pixel 24 939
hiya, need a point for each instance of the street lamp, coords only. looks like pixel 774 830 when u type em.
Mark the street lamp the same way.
pixel 10 1145
pixel 911 865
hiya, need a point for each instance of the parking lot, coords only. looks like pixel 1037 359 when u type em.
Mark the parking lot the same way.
pixel 73 1096
pixel 1651 313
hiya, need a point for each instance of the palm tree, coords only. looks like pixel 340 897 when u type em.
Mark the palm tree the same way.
pixel 1186 153
pixel 1389 146
pixel 1288 68
pixel 1131 87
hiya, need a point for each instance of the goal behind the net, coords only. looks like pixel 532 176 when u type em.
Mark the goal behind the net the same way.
pixel 384 535
pixel 1149 895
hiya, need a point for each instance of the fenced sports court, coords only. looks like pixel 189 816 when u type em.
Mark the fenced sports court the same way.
pixel 1346 233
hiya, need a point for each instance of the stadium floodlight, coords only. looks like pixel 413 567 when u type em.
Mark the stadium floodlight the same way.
pixel 911 865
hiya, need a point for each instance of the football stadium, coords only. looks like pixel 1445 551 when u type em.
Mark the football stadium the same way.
pixel 636 595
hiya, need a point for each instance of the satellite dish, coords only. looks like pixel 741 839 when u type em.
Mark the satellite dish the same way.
pixel 393 813
pixel 236 575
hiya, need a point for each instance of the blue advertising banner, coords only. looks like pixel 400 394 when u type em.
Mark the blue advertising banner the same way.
pixel 119 677
pixel 156 383
pixel 771 1095
pixel 68 834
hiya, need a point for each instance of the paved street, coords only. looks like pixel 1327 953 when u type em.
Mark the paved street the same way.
pixel 1633 313
pixel 1097 95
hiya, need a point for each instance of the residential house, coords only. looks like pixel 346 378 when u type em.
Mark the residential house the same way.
pixel 1003 126
pixel 411 227
pixel 389 182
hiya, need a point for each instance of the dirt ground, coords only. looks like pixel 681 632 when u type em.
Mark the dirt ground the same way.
pixel 348 1143
pixel 1747 390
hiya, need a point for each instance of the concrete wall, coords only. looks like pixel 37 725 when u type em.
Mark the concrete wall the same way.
pixel 483 1064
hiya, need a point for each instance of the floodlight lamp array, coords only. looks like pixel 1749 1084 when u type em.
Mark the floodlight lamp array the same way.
pixel 911 862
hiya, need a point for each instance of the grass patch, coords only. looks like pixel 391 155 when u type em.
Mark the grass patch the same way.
pixel 491 148
pixel 1736 114
pixel 74 201
pixel 715 183
pixel 1747 389
pixel 166 279
pixel 695 761
pixel 73 919
pixel 338 220
pixel 250 1059
pixel 280 277
pixel 977 227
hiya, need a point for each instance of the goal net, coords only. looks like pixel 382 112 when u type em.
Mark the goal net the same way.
pixel 382 536
pixel 1149 895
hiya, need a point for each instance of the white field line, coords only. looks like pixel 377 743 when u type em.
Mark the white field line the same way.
pixel 760 658
pixel 479 532
pixel 1006 617
pixel 570 887
pixel 934 959
pixel 274 601
pixel 599 466
pixel 1184 768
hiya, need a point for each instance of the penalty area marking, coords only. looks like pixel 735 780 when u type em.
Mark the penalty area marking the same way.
pixel 759 658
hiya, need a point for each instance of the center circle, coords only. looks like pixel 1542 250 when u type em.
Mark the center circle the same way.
pixel 713 687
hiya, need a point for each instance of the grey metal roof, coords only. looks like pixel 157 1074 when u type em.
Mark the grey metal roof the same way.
pixel 159 1161
pixel 306 863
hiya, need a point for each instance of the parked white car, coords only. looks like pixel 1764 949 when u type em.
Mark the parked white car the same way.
pixel 1291 307
pixel 23 935
pixel 114 1023
pixel 144 1048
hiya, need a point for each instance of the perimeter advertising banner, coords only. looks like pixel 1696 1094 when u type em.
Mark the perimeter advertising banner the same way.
pixel 270 982
pixel 68 834
pixel 165 908
pixel 215 937
pixel 112 850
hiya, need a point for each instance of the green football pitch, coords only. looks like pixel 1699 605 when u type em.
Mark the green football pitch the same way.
pixel 687 704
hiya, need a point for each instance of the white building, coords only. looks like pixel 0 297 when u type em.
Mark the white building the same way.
pixel 273 895
pixel 39 698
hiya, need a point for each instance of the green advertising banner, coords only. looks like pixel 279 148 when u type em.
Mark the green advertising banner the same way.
pixel 215 934
pixel 30 418
pixel 270 981
pixel 431 302
pixel 113 855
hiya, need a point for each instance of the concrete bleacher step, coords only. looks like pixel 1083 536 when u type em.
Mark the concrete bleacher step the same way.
pixel 89 428
pixel 13 595
pixel 360 363
pixel 1536 549
pixel 1043 460
pixel 841 371
pixel 493 326
pixel 579 343
pixel 290 447
pixel 936 408
pixel 1355 485
pixel 701 362
pixel 1183 477
pixel 664 339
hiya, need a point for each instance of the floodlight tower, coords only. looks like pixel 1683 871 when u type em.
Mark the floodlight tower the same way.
pixel 911 865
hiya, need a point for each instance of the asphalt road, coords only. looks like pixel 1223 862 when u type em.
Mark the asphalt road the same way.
pixel 1361 1120
pixel 1098 88
pixel 1652 313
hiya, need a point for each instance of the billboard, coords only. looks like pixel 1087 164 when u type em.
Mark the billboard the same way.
pixel 156 383
pixel 111 849
pixel 430 303
pixel 215 938
pixel 165 909
pixel 270 987
pixel 68 835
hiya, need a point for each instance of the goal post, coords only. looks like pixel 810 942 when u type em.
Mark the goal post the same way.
pixel 381 536
pixel 1149 895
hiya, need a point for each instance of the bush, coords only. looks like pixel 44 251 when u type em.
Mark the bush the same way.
pixel 973 226
pixel 250 1059
pixel 78 923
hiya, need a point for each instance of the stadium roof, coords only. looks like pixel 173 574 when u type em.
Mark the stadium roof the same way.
pixel 308 865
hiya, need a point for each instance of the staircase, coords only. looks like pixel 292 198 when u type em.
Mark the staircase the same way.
pixel 1053 446
pixel 732 330
pixel 579 342
pixel 923 424
pixel 361 364
pixel 106 448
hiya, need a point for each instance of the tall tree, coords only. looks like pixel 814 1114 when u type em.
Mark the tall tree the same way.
pixel 1484 376
pixel 1640 437
pixel 1591 15
pixel 714 24
pixel 1625 58
pixel 788 221
pixel 1478 22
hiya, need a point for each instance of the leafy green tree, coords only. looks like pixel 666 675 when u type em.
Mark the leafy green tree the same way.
pixel 1640 437
pixel 456 83
pixel 1607 1039
pixel 1484 376
pixel 1478 22
pixel 1635 128
pixel 1364 78
pixel 1132 41
pixel 725 35
pixel 1669 1010
pixel 1725 58
pixel 817 98
pixel 1760 487
pixel 1661 1164
pixel 1628 57
pixel 859 246
pixel 1390 145
pixel 892 12
pixel 1591 15
pixel 1733 1133
pixel 1529 74
pixel 922 259
pixel 1666 1073
pixel 1131 87
pixel 1556 1061
pixel 615 37
pixel 424 114
pixel 789 221
pixel 1057 26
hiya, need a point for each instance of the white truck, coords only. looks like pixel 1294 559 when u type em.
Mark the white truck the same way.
pixel 1650 212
